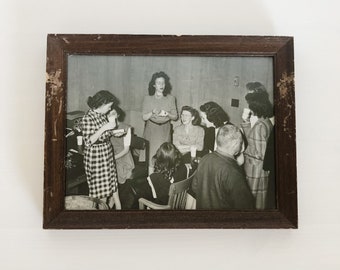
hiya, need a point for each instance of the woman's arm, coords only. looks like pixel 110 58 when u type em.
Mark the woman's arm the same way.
pixel 148 110
pixel 177 142
pixel 261 135
pixel 200 139
pixel 127 143
pixel 172 114
pixel 147 116
pixel 257 142
pixel 245 125
pixel 122 153
pixel 153 114
pixel 101 130
pixel 88 126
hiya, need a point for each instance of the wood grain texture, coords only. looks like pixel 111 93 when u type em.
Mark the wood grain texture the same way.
pixel 61 45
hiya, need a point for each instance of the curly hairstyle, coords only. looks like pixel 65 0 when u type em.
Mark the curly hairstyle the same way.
pixel 258 100
pixel 215 113
pixel 256 87
pixel 100 98
pixel 197 119
pixel 160 74
pixel 167 159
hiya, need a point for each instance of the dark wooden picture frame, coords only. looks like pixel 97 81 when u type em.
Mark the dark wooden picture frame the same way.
pixel 281 50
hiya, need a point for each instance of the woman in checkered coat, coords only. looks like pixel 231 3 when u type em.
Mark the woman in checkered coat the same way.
pixel 100 165
pixel 257 127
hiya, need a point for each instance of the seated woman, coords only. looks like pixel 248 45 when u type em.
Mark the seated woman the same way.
pixel 121 146
pixel 169 168
pixel 188 135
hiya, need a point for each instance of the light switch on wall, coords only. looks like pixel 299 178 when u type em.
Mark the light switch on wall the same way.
pixel 236 81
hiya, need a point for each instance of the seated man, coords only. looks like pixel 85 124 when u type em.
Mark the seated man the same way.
pixel 219 182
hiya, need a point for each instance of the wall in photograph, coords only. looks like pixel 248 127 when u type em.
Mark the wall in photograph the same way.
pixel 194 80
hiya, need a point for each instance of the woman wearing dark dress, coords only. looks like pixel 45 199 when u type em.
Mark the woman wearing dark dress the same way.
pixel 158 109
pixel 169 168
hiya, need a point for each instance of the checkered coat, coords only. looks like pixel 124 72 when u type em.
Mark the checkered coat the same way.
pixel 99 162
pixel 257 178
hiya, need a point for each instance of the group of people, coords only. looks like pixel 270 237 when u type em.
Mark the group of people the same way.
pixel 231 173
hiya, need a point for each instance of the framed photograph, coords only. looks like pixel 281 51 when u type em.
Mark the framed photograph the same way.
pixel 161 131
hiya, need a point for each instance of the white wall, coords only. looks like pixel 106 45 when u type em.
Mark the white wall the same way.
pixel 24 245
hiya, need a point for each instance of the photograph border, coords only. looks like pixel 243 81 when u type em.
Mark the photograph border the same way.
pixel 60 46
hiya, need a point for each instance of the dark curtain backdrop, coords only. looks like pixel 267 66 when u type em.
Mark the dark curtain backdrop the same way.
pixel 195 80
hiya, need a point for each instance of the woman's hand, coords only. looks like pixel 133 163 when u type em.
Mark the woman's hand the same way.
pixel 109 125
pixel 99 132
pixel 246 115
pixel 119 132
pixel 163 113
pixel 156 112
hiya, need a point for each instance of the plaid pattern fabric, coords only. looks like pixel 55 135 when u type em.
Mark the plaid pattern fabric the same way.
pixel 100 166
pixel 257 178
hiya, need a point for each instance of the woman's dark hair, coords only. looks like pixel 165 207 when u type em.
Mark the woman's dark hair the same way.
pixel 256 87
pixel 167 159
pixel 259 103
pixel 121 114
pixel 100 98
pixel 155 76
pixel 215 113
pixel 197 119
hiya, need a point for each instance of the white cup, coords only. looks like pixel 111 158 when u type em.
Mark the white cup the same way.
pixel 246 114
pixel 79 140
pixel 193 151
pixel 162 113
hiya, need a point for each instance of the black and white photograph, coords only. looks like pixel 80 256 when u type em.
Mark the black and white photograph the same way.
pixel 169 132
pixel 151 131
pixel 170 135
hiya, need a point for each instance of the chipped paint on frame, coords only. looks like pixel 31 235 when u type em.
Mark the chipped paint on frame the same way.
pixel 286 87
pixel 53 96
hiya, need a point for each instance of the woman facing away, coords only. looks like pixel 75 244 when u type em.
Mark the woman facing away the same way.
pixel 99 162
pixel 257 128
pixel 121 146
pixel 169 168
pixel 158 109
pixel 189 135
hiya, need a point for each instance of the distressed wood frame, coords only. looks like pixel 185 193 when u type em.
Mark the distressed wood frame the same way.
pixel 59 46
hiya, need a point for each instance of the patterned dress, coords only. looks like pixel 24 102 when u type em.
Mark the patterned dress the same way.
pixel 100 166
pixel 257 178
